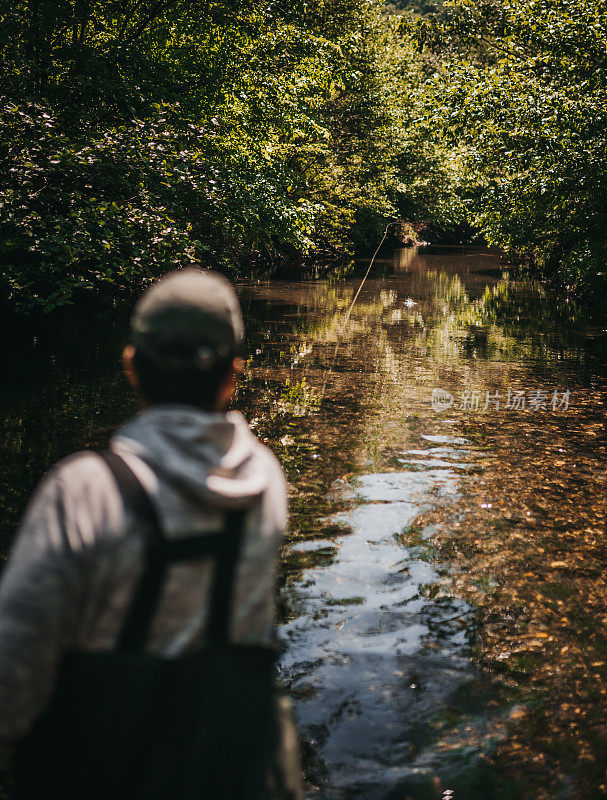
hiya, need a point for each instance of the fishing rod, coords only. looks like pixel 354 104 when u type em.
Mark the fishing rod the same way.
pixel 347 318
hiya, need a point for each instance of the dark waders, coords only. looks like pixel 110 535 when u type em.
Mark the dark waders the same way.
pixel 127 724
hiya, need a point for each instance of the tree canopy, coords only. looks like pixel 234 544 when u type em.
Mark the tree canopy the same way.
pixel 136 137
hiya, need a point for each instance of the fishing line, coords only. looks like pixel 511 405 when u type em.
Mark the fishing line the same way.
pixel 347 318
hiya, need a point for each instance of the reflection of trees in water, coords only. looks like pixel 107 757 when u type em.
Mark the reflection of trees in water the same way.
pixel 444 338
pixel 511 320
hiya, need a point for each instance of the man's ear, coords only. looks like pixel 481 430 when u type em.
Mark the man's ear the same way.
pixel 128 364
pixel 229 384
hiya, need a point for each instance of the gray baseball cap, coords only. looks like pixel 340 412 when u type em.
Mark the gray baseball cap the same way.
pixel 189 318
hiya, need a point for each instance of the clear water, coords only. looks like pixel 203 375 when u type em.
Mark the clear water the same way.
pixel 442 597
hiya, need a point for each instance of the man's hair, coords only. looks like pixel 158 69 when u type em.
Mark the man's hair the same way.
pixel 159 383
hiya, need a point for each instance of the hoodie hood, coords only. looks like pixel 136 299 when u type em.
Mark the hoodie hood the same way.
pixel 209 457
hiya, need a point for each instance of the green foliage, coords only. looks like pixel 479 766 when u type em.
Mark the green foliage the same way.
pixel 518 89
pixel 137 137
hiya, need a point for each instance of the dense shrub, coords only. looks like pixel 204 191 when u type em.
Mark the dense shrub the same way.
pixel 518 89
pixel 135 137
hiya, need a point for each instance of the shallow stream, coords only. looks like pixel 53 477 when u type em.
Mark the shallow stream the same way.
pixel 442 592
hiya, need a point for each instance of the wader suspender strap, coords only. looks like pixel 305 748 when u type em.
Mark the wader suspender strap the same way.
pixel 160 552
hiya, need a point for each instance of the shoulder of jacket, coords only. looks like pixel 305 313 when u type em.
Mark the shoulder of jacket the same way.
pixel 86 486
pixel 78 468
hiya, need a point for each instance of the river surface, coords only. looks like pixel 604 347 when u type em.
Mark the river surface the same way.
pixel 442 598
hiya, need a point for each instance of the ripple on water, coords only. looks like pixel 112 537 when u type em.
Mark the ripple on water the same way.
pixel 370 657
pixel 445 439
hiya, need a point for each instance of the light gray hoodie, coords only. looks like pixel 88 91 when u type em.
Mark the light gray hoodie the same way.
pixel 78 552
